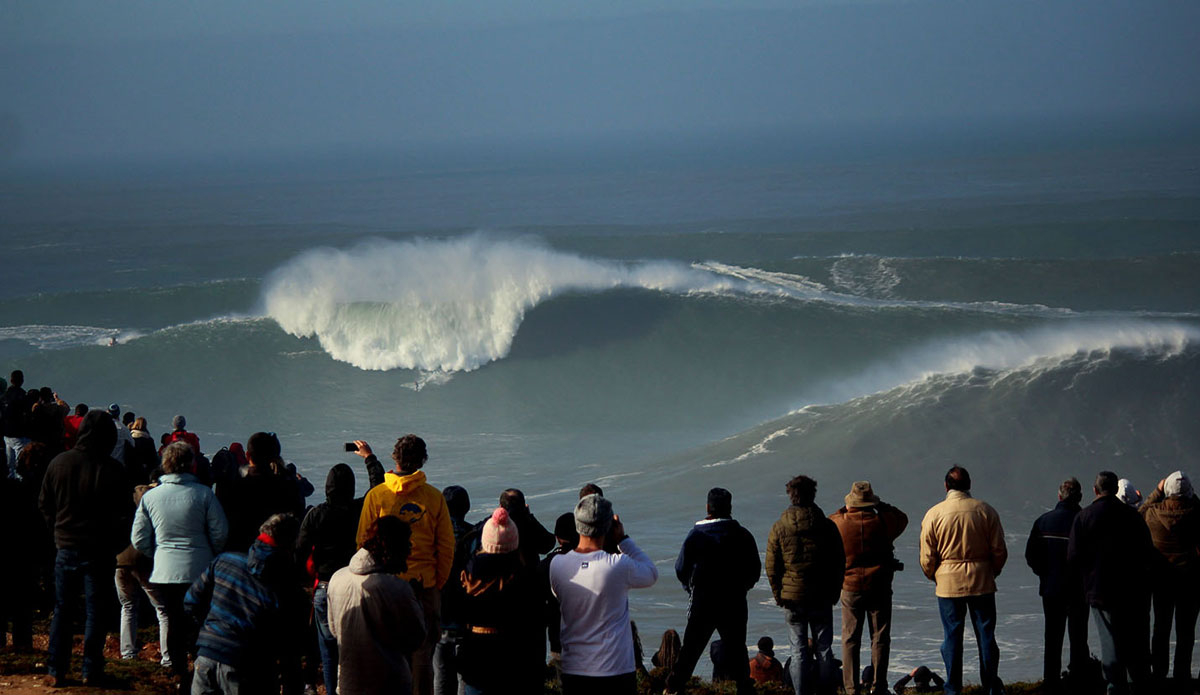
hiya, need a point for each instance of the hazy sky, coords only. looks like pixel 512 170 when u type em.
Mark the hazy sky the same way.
pixel 94 80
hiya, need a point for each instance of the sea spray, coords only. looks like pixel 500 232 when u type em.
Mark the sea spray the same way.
pixel 441 305
pixel 457 304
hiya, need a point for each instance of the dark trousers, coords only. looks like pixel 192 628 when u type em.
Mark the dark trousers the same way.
pixel 876 610
pixel 1064 616
pixel 1177 600
pixel 18 594
pixel 728 619
pixel 181 640
pixel 78 571
pixel 623 684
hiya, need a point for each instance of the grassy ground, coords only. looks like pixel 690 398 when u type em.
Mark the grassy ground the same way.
pixel 24 673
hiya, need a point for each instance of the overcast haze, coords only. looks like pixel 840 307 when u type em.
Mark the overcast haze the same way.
pixel 176 81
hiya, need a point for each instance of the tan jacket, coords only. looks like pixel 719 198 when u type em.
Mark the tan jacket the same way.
pixel 962 546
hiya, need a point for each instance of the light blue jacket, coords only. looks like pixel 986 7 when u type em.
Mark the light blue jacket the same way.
pixel 181 525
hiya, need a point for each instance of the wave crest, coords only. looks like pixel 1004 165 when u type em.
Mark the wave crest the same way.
pixel 446 306
pixel 455 305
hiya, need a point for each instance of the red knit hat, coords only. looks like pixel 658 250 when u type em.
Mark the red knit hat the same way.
pixel 499 533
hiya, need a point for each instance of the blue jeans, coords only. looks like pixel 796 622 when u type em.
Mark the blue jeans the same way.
pixel 1124 636
pixel 76 571
pixel 816 623
pixel 983 621
pixel 13 446
pixel 325 640
pixel 131 583
pixel 214 678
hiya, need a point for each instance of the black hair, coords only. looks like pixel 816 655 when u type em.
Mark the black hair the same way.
pixel 802 490
pixel 262 448
pixel 389 542
pixel 458 502
pixel 512 501
pixel 720 503
pixel 1106 483
pixel 410 453
pixel 957 478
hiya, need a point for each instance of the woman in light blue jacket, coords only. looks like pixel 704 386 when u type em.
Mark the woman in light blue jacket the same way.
pixel 181 525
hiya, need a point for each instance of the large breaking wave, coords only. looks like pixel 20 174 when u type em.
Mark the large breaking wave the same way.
pixel 455 305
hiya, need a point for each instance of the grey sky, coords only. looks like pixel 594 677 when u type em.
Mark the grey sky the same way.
pixel 186 79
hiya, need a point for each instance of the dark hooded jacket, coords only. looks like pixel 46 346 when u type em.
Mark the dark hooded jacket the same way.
pixel 84 497
pixel 805 558
pixel 328 532
pixel 718 562
pixel 250 500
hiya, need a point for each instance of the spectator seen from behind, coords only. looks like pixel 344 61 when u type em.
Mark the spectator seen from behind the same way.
pixel 179 525
pixel 963 551
pixel 1173 518
pixel 374 614
pixel 1060 585
pixel 717 565
pixel 84 499
pixel 502 646
pixel 406 495
pixel 805 565
pixel 869 527
pixel 240 600
pixel 592 587
pixel 1110 545
pixel 249 500
pixel 445 668
pixel 764 667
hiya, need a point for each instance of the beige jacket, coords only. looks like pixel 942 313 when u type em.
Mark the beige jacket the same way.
pixel 962 546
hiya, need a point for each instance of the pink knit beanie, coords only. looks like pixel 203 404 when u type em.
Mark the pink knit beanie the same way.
pixel 499 533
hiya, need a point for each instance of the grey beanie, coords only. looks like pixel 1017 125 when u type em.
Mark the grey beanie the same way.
pixel 593 516
pixel 114 410
pixel 1177 485
pixel 179 422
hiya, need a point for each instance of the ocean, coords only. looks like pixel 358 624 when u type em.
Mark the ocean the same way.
pixel 655 323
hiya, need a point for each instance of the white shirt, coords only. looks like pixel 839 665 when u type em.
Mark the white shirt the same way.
pixel 593 591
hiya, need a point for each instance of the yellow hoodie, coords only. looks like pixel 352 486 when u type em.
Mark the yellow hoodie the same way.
pixel 411 499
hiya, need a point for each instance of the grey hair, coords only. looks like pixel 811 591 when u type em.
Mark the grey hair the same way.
pixel 282 528
pixel 177 457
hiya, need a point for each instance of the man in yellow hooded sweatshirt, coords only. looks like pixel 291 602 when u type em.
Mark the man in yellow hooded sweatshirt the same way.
pixel 405 494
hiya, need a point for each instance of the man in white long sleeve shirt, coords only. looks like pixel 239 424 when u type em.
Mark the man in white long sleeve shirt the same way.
pixel 592 587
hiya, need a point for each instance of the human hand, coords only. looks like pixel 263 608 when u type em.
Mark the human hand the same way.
pixel 617 531
pixel 364 449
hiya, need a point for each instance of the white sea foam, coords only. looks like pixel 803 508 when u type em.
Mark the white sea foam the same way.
pixel 455 305
pixel 64 337
pixel 443 305
pixel 1004 352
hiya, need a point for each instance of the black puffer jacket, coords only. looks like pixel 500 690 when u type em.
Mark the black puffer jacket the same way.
pixel 805 558
pixel 84 497
pixel 329 530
